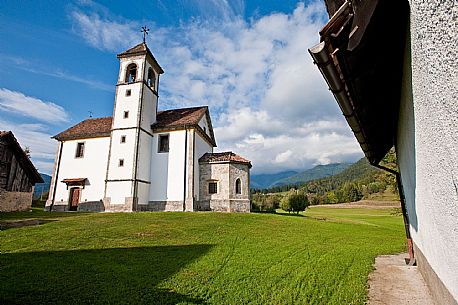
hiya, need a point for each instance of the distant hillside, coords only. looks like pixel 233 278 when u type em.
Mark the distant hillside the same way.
pixel 263 181
pixel 319 171
pixel 358 181
pixel 42 187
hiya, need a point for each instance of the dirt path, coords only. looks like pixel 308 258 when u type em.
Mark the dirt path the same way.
pixel 394 283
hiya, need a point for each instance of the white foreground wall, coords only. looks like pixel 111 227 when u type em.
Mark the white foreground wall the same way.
pixel 92 166
pixel 428 143
pixel 167 169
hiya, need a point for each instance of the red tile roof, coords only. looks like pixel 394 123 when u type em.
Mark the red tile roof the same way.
pixel 227 156
pixel 165 120
pixel 91 128
pixel 179 117
pixel 140 49
pixel 21 156
pixel 185 117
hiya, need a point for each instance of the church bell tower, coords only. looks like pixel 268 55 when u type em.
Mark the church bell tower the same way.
pixel 128 174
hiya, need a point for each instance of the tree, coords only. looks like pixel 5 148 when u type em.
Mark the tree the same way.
pixel 294 201
pixel 351 192
pixel 331 197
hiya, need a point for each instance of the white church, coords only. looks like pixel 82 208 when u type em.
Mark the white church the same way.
pixel 142 159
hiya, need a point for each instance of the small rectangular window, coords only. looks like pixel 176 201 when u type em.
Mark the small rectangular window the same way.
pixel 128 92
pixel 212 187
pixel 126 114
pixel 123 139
pixel 163 143
pixel 79 150
pixel 121 162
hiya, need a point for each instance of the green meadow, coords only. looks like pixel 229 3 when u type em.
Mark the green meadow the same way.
pixel 322 256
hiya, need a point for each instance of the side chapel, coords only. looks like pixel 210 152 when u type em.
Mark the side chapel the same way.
pixel 142 159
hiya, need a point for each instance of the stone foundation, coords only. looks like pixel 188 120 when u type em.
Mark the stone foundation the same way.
pixel 162 206
pixel 224 205
pixel 126 207
pixel 440 293
pixel 60 206
pixel 91 206
pixel 240 205
pixel 15 201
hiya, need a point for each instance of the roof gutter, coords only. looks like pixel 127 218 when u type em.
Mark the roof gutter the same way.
pixel 323 55
pixel 327 64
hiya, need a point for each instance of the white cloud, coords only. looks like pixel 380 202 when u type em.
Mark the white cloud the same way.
pixel 268 101
pixel 20 104
pixel 104 34
pixel 36 137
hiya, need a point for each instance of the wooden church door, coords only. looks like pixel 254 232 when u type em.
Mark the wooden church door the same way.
pixel 74 198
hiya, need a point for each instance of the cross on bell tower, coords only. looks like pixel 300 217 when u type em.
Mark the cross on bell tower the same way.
pixel 145 31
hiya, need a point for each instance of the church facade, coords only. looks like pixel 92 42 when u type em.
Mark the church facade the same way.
pixel 142 159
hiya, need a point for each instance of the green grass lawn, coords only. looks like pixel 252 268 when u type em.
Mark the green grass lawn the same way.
pixel 320 257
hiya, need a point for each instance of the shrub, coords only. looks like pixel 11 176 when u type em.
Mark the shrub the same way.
pixel 294 201
pixel 331 197
pixel 265 203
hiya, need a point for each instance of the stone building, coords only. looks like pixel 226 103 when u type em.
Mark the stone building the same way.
pixel 140 159
pixel 224 182
pixel 17 175
pixel 392 67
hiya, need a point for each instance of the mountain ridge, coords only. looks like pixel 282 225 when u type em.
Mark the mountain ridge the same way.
pixel 264 181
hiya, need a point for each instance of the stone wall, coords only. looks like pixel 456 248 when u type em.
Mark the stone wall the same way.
pixel 60 206
pixel 162 206
pixel 126 207
pixel 242 172
pixel 15 201
pixel 214 172
pixel 226 199
pixel 91 206
pixel 239 205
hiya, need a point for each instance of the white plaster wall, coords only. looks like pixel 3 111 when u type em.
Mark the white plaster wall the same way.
pixel 204 125
pixel 144 156
pixel 92 166
pixel 428 137
pixel 167 169
pixel 201 147
pixel 118 191
pixel 124 151
pixel 126 103
pixel 143 193
pixel 148 109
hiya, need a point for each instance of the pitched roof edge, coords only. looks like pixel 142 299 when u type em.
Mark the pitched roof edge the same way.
pixel 22 157
pixel 147 51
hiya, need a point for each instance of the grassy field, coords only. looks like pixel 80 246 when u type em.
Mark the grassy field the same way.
pixel 322 256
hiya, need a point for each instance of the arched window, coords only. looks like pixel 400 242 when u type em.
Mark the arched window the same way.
pixel 131 73
pixel 238 186
pixel 151 78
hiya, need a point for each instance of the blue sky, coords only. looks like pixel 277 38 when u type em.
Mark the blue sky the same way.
pixel 247 60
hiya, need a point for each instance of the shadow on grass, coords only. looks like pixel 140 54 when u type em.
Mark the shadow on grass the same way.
pixel 102 276
pixel 38 213
pixel 290 214
pixel 5 225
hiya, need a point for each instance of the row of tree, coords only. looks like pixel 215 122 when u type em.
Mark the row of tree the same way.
pixel 358 181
